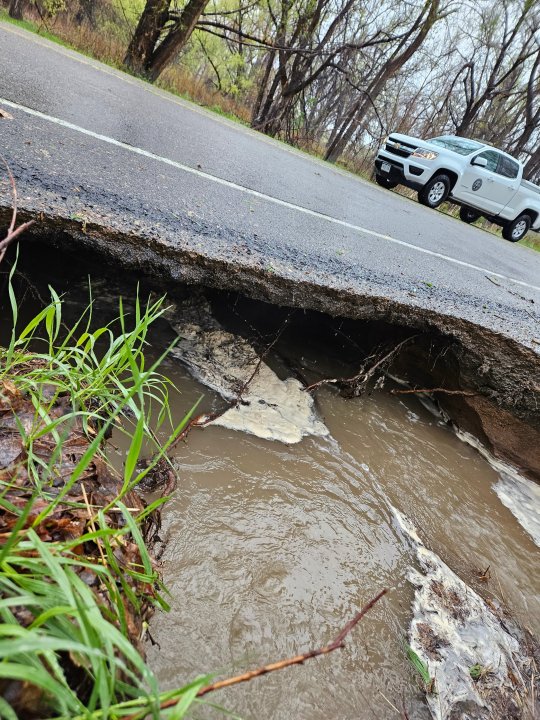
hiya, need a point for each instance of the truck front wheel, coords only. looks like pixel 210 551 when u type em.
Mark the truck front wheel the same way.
pixel 435 191
pixel 468 215
pixel 517 229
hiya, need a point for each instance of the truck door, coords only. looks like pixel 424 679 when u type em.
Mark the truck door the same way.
pixel 510 181
pixel 485 187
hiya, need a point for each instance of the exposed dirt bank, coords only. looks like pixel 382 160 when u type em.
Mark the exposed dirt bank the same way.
pixel 497 377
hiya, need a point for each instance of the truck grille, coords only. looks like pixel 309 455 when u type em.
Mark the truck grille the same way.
pixel 398 147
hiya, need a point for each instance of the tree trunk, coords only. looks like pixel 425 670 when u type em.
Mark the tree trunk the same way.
pixel 17 8
pixel 531 169
pixel 262 87
pixel 264 118
pixel 86 11
pixel 176 39
pixel 146 36
pixel 342 137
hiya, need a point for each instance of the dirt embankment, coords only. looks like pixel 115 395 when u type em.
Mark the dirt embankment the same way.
pixel 487 383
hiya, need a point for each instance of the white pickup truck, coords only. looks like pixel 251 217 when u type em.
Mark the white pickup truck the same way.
pixel 482 180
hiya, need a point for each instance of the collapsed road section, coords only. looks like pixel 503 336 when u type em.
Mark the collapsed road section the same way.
pixel 471 299
pixel 487 380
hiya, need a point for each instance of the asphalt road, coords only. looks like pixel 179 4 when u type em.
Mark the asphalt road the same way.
pixel 88 141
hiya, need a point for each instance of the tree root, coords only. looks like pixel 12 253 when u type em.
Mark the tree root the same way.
pixel 355 385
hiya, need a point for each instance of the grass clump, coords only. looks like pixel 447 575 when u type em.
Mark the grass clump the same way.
pixel 421 668
pixel 77 581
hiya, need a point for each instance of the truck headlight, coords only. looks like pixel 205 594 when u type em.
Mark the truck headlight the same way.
pixel 425 154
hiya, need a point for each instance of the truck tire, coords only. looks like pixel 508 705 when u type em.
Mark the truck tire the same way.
pixel 385 182
pixel 468 215
pixel 517 229
pixel 435 191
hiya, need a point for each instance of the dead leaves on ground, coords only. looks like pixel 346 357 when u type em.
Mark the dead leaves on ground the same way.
pixel 74 516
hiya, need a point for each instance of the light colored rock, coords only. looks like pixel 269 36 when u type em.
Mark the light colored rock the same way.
pixel 269 408
pixel 453 629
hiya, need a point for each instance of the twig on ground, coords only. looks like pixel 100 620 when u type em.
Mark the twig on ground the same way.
pixel 391 704
pixel 336 644
pixel 13 232
pixel 404 714
pixel 428 391
pixel 201 420
pixel 91 522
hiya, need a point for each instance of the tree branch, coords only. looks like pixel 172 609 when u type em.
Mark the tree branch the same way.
pixel 336 644
pixel 428 391
pixel 223 13
pixel 362 377
pixel 12 232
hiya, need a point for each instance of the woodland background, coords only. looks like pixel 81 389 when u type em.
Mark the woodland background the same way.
pixel 332 77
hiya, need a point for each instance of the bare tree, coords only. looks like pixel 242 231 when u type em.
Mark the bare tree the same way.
pixel 530 113
pixel 366 97
pixel 312 42
pixel 160 35
pixel 532 166
pixel 507 41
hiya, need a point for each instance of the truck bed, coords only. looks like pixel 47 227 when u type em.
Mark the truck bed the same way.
pixel 530 186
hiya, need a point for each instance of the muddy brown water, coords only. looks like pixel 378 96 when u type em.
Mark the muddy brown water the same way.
pixel 271 549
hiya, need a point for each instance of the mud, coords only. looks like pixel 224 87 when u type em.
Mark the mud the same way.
pixel 500 373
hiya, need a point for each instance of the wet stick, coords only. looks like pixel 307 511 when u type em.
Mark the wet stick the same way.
pixel 336 644
pixel 12 232
pixel 428 391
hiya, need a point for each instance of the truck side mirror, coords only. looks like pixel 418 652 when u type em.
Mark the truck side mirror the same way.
pixel 479 161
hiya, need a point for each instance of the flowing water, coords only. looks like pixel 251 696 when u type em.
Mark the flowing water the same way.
pixel 272 548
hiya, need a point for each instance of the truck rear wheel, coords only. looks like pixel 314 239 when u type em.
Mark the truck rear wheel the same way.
pixel 385 182
pixel 435 191
pixel 517 229
pixel 468 215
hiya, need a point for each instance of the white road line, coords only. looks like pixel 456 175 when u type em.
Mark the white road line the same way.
pixel 169 97
pixel 257 194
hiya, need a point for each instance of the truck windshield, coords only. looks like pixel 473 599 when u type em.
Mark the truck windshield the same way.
pixel 456 144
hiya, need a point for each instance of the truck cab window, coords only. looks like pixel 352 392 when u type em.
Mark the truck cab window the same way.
pixel 492 158
pixel 508 167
